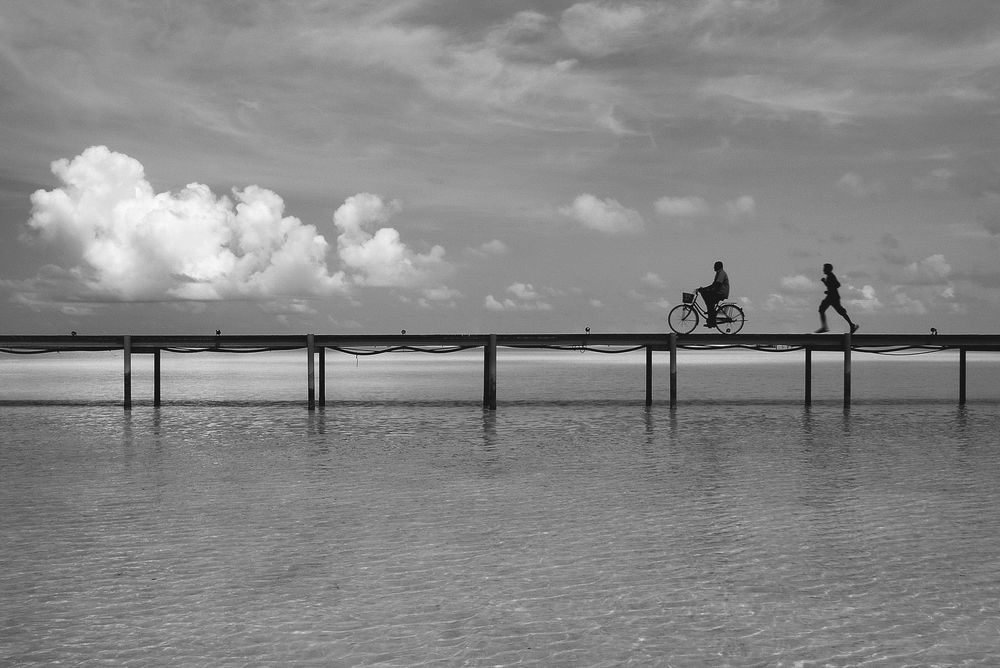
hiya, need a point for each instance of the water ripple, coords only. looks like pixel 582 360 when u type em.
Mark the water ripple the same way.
pixel 546 535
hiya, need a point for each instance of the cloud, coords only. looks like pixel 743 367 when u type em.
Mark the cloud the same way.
pixel 855 185
pixel 779 303
pixel 924 298
pixel 931 270
pixel 681 207
pixel 863 299
pixel 596 29
pixel 523 297
pixel 505 72
pixel 771 97
pixel 742 206
pixel 682 210
pixel 798 293
pixel 903 303
pixel 799 283
pixel 124 242
pixel 493 248
pixel 118 240
pixel 653 280
pixel 441 295
pixel 376 256
pixel 606 215
pixel 523 291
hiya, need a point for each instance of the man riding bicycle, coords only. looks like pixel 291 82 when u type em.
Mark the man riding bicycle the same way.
pixel 715 293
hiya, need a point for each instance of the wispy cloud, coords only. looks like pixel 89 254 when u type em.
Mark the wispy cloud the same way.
pixel 681 207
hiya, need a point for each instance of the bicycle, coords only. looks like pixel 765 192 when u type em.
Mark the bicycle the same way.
pixel 683 318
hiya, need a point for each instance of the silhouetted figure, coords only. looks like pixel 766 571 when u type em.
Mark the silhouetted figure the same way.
pixel 715 293
pixel 832 299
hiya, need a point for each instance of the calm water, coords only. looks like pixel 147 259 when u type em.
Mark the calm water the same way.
pixel 402 525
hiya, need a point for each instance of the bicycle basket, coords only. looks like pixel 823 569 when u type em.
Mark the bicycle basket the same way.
pixel 688 297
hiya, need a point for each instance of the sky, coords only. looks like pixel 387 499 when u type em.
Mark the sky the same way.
pixel 495 166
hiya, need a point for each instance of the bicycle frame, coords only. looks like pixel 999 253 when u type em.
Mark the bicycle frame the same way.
pixel 700 308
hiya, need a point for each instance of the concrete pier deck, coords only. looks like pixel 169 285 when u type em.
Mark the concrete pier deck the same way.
pixel 316 346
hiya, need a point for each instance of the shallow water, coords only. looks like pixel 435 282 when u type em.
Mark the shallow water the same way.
pixel 530 377
pixel 545 533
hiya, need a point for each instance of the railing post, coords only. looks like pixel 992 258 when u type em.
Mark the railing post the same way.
pixel 809 376
pixel 322 375
pixel 311 374
pixel 156 377
pixel 127 349
pixel 673 369
pixel 649 375
pixel 847 370
pixel 490 374
pixel 961 376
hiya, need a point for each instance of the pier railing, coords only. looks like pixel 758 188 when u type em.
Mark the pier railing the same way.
pixel 316 346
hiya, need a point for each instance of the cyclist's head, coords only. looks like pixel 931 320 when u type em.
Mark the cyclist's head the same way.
pixel 718 265
pixel 827 267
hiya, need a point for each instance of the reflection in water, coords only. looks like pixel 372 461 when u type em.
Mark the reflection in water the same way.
pixel 316 422
pixel 489 431
pixel 396 534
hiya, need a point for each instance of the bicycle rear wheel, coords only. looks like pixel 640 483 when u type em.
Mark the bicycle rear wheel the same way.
pixel 729 319
pixel 682 318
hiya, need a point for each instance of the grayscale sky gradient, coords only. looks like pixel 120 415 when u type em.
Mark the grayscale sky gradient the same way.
pixel 504 166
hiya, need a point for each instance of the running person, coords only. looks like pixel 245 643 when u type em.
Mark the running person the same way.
pixel 832 299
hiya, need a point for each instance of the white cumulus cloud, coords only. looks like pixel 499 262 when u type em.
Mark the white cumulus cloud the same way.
pixel 376 256
pixel 121 241
pixel 653 280
pixel 523 297
pixel 606 215
pixel 116 239
pixel 931 270
pixel 798 283
pixel 864 298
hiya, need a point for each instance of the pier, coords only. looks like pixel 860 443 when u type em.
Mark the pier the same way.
pixel 317 345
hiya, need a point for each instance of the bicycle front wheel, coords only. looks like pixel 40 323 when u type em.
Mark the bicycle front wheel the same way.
pixel 682 318
pixel 729 319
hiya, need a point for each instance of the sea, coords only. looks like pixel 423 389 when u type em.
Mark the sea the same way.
pixel 401 524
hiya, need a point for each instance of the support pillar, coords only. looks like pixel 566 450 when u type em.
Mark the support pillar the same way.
pixel 127 348
pixel 156 377
pixel 322 375
pixel 490 374
pixel 961 376
pixel 649 375
pixel 847 370
pixel 311 374
pixel 673 370
pixel 809 377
